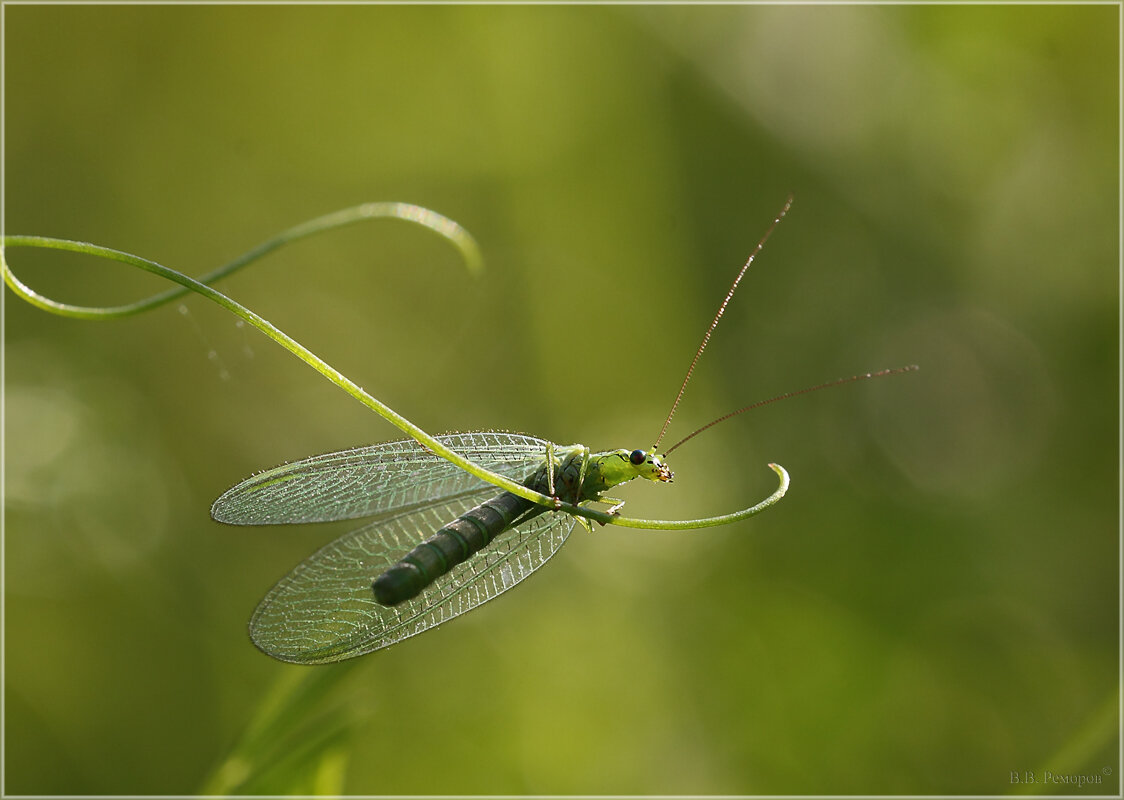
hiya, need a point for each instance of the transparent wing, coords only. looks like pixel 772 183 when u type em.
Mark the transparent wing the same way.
pixel 324 610
pixel 380 479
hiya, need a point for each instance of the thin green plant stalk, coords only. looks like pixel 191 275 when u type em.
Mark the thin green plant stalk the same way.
pixel 442 225
pixel 386 581
pixel 450 230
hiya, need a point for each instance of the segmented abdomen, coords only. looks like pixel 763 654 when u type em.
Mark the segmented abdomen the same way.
pixel 452 544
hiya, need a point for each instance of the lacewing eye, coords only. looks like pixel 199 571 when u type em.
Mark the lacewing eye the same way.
pixel 637 457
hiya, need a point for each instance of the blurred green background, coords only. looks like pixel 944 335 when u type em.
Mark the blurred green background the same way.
pixel 934 607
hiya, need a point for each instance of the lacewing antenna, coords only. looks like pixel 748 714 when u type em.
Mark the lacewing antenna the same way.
pixel 718 316
pixel 865 376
